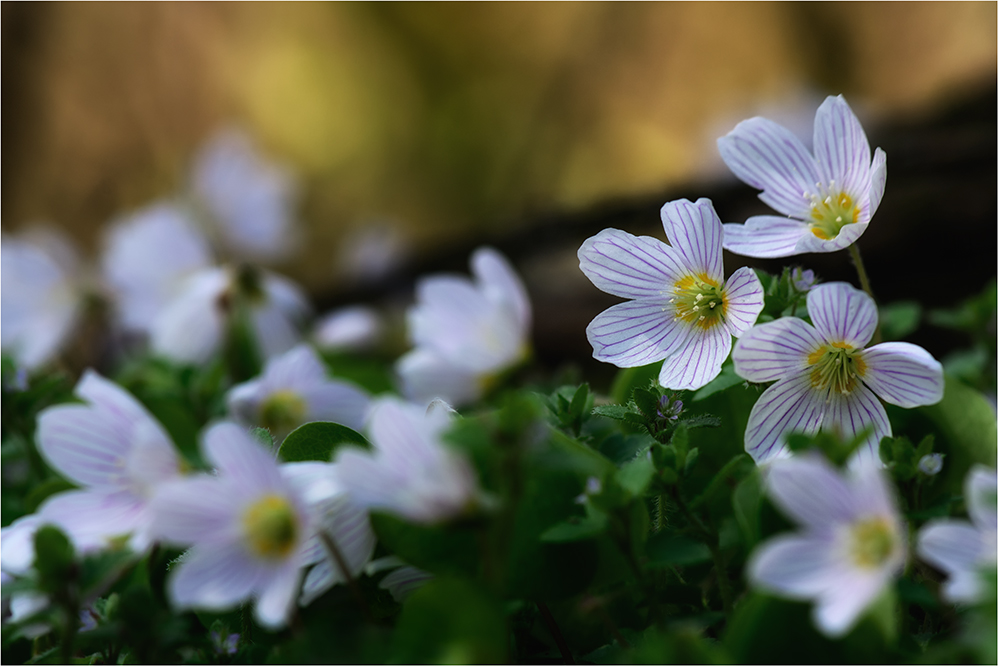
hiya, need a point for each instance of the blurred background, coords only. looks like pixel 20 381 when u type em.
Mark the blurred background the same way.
pixel 418 131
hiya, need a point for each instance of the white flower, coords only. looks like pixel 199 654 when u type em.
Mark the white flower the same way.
pixel 851 546
pixel 147 256
pixel 293 390
pixel 248 527
pixel 683 309
pixel 191 328
pixel 249 200
pixel 40 300
pixel 347 329
pixel 826 200
pixel 465 332
pixel 339 522
pixel 965 550
pixel 410 472
pixel 825 379
pixel 116 451
pixel 931 464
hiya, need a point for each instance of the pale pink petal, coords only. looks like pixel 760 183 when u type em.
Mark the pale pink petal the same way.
pixel 878 180
pixel 775 350
pixel 425 375
pixel 339 402
pixel 950 545
pixel 630 266
pixel 404 581
pixel 699 361
pixel 500 282
pixel 743 296
pixel 297 368
pixel 790 405
pixel 848 415
pixel 838 610
pixel 810 490
pixel 841 148
pixel 799 566
pixel 769 157
pixel 92 518
pixel 903 374
pixel 87 446
pixel 243 400
pixel 241 457
pixel 842 313
pixel 190 328
pixel 636 333
pixel 215 577
pixel 764 236
pixel 277 597
pixel 873 492
pixel 696 233
pixel 17 544
pixel 200 509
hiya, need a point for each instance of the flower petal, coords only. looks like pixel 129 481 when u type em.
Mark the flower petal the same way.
pixel 838 610
pixel 239 456
pixel 848 235
pixel 500 283
pixel 297 368
pixel 764 236
pixel 425 375
pixel 277 598
pixel 842 313
pixel 789 405
pixel 404 581
pixel 774 350
pixel 190 328
pixel 798 567
pixel 813 492
pixel 699 361
pixel 200 509
pixel 903 374
pixel 743 295
pixel 339 402
pixel 630 266
pixel 878 180
pixel 848 415
pixel 950 545
pixel 841 148
pixel 979 492
pixel 769 157
pixel 215 578
pixel 636 333
pixel 694 230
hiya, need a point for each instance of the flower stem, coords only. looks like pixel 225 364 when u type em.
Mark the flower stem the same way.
pixel 864 282
pixel 710 537
pixel 566 652
pixel 351 582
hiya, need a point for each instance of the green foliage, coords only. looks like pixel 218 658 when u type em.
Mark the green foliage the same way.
pixel 318 441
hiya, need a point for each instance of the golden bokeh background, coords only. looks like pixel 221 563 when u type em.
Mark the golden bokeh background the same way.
pixel 443 121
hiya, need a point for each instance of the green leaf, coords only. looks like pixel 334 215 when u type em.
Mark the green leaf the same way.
pixel 966 421
pixel 54 557
pixel 577 528
pixel 629 379
pixel 450 621
pixel 318 441
pixel 664 549
pixel 726 379
pixel 435 548
pixel 746 501
pixel 900 319
pixel 619 413
pixel 635 475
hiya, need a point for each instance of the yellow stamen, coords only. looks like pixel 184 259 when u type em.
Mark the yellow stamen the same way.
pixel 697 298
pixel 282 411
pixel 836 367
pixel 872 541
pixel 831 214
pixel 271 527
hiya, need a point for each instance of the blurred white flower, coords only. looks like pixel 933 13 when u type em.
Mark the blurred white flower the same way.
pixel 147 257
pixel 192 326
pixel 116 451
pixel 410 472
pixel 851 547
pixel 250 201
pixel 931 464
pixel 347 329
pixel 466 332
pixel 294 389
pixel 248 526
pixel 965 550
pixel 40 296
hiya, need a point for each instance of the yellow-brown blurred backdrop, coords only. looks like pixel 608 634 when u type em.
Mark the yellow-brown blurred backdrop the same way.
pixel 447 119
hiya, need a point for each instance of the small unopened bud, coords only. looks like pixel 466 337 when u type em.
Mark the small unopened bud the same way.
pixel 931 464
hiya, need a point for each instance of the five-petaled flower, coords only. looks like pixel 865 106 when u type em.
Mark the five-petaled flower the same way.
pixel 851 547
pixel 828 198
pixel 966 550
pixel 825 379
pixel 683 310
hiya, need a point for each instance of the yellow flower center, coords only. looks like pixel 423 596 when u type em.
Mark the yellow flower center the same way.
pixel 836 367
pixel 282 411
pixel 831 213
pixel 271 527
pixel 872 542
pixel 699 300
